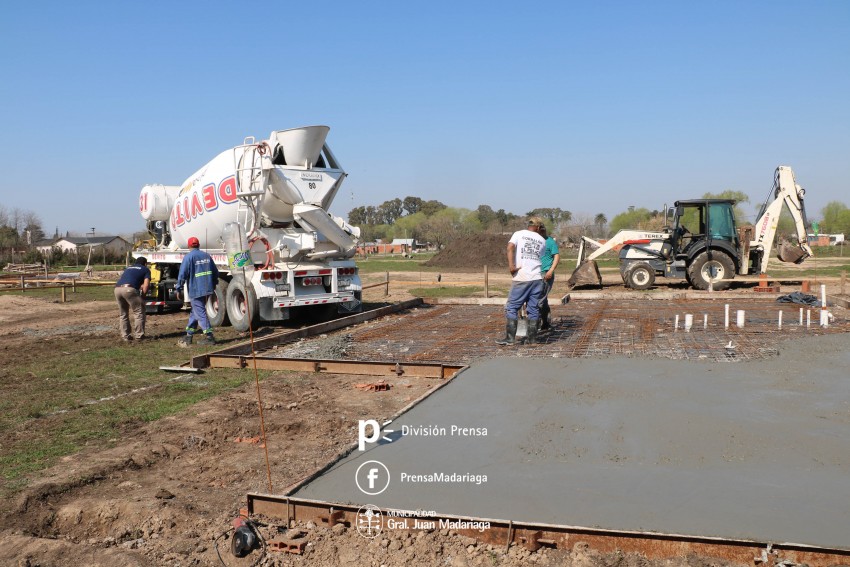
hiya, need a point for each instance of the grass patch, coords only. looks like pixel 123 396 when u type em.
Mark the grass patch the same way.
pixel 379 264
pixel 451 291
pixel 811 273
pixel 91 391
pixel 54 294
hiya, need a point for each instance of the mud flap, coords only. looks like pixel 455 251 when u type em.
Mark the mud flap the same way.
pixel 586 274
pixel 791 254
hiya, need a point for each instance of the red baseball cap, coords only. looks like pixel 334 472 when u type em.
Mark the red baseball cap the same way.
pixel 193 242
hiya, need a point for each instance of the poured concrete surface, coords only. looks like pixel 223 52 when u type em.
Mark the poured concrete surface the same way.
pixel 757 450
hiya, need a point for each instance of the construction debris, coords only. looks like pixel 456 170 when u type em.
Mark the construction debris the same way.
pixel 379 386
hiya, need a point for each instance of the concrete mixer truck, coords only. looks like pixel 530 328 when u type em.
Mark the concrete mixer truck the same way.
pixel 260 210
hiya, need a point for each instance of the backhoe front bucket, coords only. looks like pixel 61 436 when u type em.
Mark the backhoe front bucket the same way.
pixel 791 254
pixel 586 274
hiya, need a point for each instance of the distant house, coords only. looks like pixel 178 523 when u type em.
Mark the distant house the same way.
pixel 825 239
pixel 45 245
pixel 112 245
pixel 397 246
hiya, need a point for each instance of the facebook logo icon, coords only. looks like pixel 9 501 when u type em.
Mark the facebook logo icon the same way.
pixel 372 477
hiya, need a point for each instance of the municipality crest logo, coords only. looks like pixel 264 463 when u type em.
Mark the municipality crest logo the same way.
pixel 370 521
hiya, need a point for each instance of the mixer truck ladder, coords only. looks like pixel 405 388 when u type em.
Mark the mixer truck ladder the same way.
pixel 250 181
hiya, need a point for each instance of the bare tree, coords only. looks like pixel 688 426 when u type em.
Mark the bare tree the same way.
pixel 581 224
pixel 32 227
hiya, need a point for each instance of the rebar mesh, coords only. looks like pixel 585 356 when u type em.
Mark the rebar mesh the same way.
pixel 593 328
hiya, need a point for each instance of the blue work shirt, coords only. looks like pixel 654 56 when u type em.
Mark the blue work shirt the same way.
pixel 134 276
pixel 199 272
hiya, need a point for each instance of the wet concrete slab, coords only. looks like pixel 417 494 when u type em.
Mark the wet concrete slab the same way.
pixel 757 450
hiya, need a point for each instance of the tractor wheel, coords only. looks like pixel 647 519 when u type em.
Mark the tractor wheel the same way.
pixel 640 276
pixel 243 309
pixel 216 310
pixel 711 266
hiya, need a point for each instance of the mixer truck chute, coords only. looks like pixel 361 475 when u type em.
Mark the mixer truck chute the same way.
pixel 264 202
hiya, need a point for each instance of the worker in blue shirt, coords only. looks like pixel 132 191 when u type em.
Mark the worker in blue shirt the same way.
pixel 200 274
pixel 130 288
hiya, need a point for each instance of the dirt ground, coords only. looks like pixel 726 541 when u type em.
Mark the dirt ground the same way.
pixel 484 250
pixel 166 493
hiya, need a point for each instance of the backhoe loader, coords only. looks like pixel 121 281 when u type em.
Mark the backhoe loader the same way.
pixel 702 245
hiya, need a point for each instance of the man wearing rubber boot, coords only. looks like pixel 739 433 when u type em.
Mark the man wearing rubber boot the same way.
pixel 549 261
pixel 199 272
pixel 524 250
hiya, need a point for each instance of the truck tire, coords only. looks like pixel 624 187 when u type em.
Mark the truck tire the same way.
pixel 711 266
pixel 217 305
pixel 640 276
pixel 242 301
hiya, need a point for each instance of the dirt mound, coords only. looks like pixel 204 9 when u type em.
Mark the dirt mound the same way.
pixel 474 252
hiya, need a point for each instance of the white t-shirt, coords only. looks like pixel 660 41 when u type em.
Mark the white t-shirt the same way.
pixel 529 248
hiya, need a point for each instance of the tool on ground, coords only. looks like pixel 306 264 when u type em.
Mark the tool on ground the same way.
pixel 245 538
pixel 522 323
pixel 702 243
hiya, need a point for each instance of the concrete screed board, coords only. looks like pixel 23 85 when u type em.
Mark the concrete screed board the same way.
pixel 754 450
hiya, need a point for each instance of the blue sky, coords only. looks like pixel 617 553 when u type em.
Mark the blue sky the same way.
pixel 590 107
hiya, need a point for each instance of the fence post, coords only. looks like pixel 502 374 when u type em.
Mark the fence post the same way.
pixel 387 287
pixel 63 293
pixel 843 282
pixel 486 282
pixel 23 289
pixel 74 285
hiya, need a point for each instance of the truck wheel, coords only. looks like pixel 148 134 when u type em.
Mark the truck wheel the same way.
pixel 242 301
pixel 216 305
pixel 711 266
pixel 640 276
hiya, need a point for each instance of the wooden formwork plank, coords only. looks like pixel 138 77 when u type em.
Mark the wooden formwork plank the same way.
pixel 283 337
pixel 354 367
pixel 533 536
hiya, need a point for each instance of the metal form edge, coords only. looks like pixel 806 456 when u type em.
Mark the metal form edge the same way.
pixel 533 536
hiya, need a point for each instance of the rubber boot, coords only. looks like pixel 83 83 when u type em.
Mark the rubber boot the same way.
pixel 544 316
pixel 510 333
pixel 533 325
pixel 208 339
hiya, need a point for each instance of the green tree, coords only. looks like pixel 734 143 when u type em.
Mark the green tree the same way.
pixel 431 207
pixel 409 226
pixel 553 216
pixel 486 214
pixel 389 211
pixel 836 218
pixel 448 224
pixel 504 218
pixel 357 216
pixel 412 205
pixel 638 219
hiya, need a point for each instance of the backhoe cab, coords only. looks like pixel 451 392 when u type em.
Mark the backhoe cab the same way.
pixel 702 243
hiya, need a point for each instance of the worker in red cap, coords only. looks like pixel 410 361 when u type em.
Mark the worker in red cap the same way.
pixel 200 274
